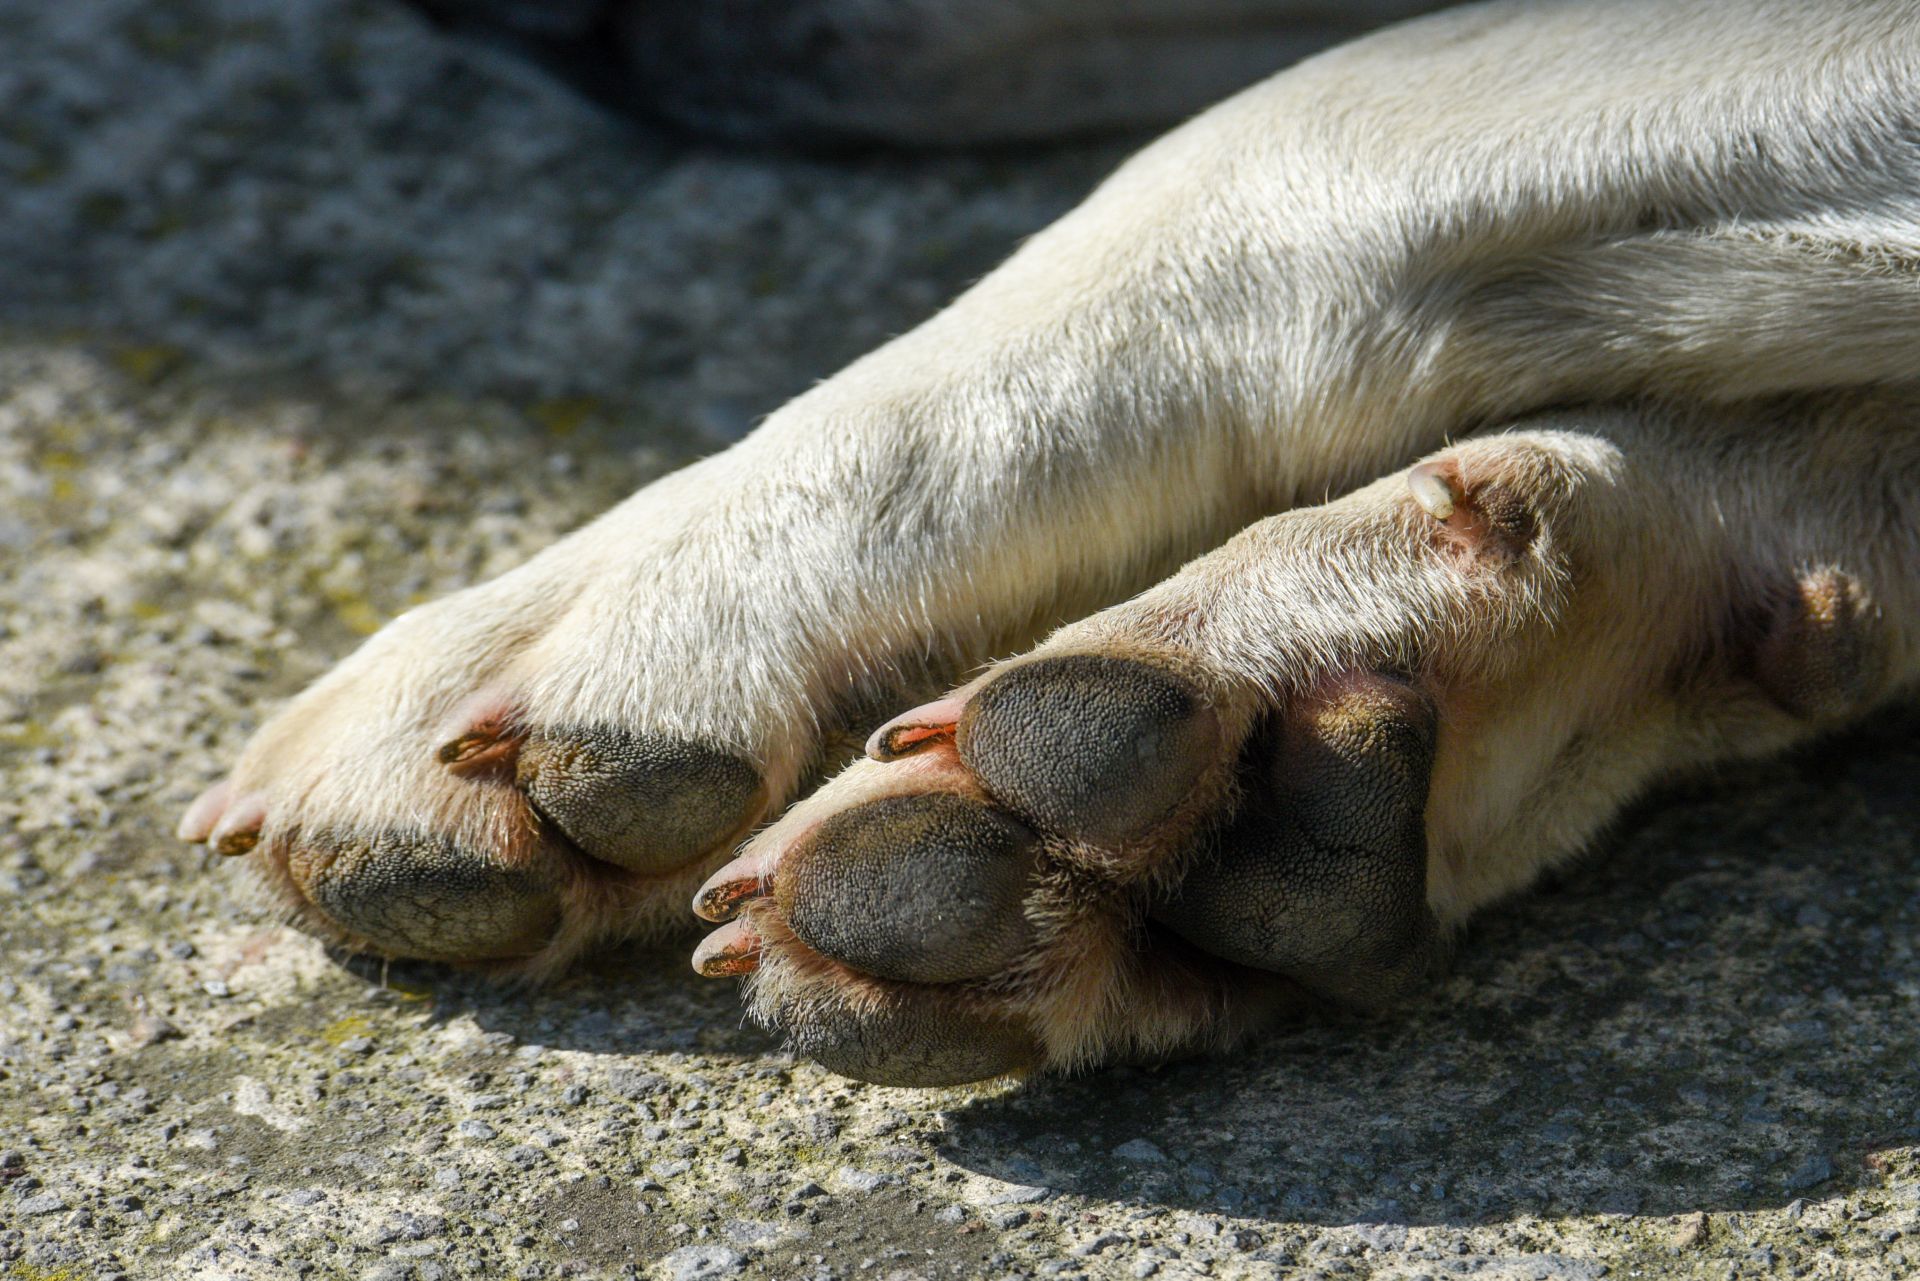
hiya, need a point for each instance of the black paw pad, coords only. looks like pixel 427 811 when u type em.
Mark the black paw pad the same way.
pixel 1354 766
pixel 426 897
pixel 642 801
pixel 1322 875
pixel 1087 746
pixel 923 889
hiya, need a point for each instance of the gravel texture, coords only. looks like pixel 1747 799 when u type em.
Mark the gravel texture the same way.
pixel 307 313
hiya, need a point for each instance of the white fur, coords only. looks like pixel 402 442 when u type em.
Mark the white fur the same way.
pixel 1450 224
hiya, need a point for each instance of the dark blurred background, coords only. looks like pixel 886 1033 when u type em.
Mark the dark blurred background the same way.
pixel 916 73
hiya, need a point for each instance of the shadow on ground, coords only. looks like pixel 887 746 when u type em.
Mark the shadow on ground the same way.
pixel 625 1001
pixel 1714 1013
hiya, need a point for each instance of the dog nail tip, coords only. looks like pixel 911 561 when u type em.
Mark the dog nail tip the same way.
pixel 912 731
pixel 238 830
pixel 197 824
pixel 728 967
pixel 728 952
pixel 723 902
pixel 730 889
pixel 479 750
pixel 1432 491
pixel 905 740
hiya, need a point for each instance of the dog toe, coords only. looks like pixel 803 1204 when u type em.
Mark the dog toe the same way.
pixel 1089 746
pixel 645 802
pixel 427 896
pixel 923 889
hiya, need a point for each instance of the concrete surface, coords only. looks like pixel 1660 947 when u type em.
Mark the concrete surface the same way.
pixel 306 313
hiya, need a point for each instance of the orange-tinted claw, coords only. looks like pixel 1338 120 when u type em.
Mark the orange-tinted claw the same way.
pixel 904 740
pixel 236 843
pixel 731 950
pixel 911 731
pixel 488 747
pixel 723 902
pixel 239 827
pixel 739 882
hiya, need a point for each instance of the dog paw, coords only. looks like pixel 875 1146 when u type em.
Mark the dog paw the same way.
pixel 557 758
pixel 1089 861
pixel 441 795
pixel 1283 776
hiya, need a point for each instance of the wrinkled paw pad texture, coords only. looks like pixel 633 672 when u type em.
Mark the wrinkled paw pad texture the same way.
pixel 1322 874
pixel 924 889
pixel 994 916
pixel 644 802
pixel 427 897
pixel 514 846
pixel 1088 747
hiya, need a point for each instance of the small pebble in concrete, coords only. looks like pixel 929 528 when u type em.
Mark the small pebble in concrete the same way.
pixel 699 1262
pixel 1139 1150
pixel 864 1181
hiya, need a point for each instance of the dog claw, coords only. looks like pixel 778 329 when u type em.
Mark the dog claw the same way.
pixel 732 887
pixel 1432 491
pixel 198 822
pixel 729 951
pixel 911 731
pixel 239 827
pixel 235 844
pixel 487 746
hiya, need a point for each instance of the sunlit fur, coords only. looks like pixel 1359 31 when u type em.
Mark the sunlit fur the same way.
pixel 1619 645
pixel 1441 228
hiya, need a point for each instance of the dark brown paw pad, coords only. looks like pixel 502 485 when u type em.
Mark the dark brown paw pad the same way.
pixel 1824 653
pixel 923 889
pixel 1090 747
pixel 426 897
pixel 1322 875
pixel 645 802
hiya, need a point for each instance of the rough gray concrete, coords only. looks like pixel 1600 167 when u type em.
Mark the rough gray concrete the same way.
pixel 306 314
